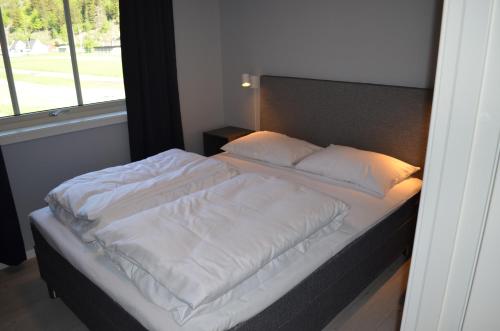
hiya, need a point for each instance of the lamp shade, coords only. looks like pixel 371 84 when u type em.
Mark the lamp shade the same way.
pixel 245 80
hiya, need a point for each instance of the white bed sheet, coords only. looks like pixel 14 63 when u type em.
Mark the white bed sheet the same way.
pixel 366 211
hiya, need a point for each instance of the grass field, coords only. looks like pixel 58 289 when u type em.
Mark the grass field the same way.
pixel 46 81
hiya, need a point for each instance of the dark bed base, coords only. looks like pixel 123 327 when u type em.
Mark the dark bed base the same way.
pixel 308 306
pixel 92 306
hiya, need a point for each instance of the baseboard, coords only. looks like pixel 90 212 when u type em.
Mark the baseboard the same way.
pixel 29 255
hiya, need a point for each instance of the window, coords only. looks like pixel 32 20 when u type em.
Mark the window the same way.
pixel 5 102
pixel 97 35
pixel 58 54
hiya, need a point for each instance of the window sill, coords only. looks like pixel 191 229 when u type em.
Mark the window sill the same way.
pixel 61 127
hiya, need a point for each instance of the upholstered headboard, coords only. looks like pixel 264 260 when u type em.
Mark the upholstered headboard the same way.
pixel 387 119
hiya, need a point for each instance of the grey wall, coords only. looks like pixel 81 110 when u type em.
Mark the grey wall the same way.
pixel 35 167
pixel 387 41
pixel 198 48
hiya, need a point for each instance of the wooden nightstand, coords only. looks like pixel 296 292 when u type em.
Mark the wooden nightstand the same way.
pixel 213 140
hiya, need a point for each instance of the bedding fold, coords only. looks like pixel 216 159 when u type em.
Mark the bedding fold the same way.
pixel 202 245
pixel 91 201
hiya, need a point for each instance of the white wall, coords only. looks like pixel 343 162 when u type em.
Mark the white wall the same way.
pixel 388 42
pixel 454 274
pixel 199 66
pixel 482 307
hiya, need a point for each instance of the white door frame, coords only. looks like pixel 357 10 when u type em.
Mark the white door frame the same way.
pixel 462 158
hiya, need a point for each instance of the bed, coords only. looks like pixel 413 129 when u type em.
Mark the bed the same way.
pixel 391 120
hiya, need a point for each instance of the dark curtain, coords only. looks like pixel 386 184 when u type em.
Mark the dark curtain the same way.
pixel 150 77
pixel 11 242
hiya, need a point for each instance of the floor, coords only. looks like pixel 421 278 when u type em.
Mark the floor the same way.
pixel 25 305
pixel 380 306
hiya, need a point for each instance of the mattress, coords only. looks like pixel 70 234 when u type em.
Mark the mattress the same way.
pixel 366 211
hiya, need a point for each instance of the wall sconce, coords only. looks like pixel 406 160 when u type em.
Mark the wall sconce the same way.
pixel 245 80
pixel 248 80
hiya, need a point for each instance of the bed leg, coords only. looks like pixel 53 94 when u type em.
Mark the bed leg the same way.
pixel 407 252
pixel 52 292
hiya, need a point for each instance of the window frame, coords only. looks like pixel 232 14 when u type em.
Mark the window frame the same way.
pixel 68 113
pixel 19 120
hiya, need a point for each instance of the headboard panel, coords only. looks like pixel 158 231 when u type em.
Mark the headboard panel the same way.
pixel 387 119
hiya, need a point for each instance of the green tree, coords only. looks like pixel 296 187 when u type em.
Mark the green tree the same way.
pixel 89 43
pixel 112 10
pixel 37 23
pixel 94 19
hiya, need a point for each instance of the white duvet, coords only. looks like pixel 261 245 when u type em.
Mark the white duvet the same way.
pixel 188 253
pixel 91 201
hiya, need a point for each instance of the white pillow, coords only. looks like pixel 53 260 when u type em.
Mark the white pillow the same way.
pixel 272 147
pixel 373 172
